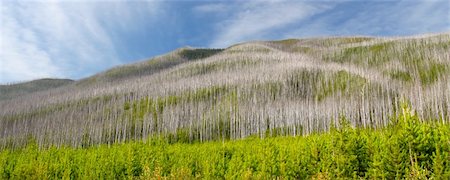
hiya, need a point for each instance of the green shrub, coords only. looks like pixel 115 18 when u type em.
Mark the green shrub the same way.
pixel 408 148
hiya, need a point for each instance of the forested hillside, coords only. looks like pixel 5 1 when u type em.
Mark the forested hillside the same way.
pixel 318 108
pixel 262 89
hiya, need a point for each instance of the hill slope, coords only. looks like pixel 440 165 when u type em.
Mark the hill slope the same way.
pixel 20 89
pixel 288 87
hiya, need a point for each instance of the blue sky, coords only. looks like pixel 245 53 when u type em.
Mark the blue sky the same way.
pixel 76 39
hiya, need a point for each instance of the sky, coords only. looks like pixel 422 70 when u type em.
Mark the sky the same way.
pixel 76 39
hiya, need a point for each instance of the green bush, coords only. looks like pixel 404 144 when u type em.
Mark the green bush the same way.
pixel 408 148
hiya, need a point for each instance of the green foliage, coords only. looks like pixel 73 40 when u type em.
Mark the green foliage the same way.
pixel 207 93
pixel 408 148
pixel 341 81
pixel 373 55
pixel 342 41
pixel 302 49
pixel 430 74
pixel 320 85
pixel 400 75
pixel 216 66
pixel 199 53
pixel 287 42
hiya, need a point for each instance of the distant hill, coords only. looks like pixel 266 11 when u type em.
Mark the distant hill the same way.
pixel 259 88
pixel 151 66
pixel 20 89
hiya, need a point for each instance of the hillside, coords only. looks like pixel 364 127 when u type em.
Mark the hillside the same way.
pixel 262 88
pixel 15 90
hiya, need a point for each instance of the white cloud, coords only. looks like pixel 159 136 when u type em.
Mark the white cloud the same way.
pixel 379 18
pixel 212 8
pixel 62 39
pixel 20 58
pixel 256 19
pixel 295 19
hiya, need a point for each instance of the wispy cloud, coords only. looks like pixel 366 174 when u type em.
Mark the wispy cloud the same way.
pixel 296 19
pixel 20 57
pixel 212 8
pixel 386 18
pixel 259 18
pixel 62 39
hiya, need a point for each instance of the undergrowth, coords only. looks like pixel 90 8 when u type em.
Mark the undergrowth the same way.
pixel 408 148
